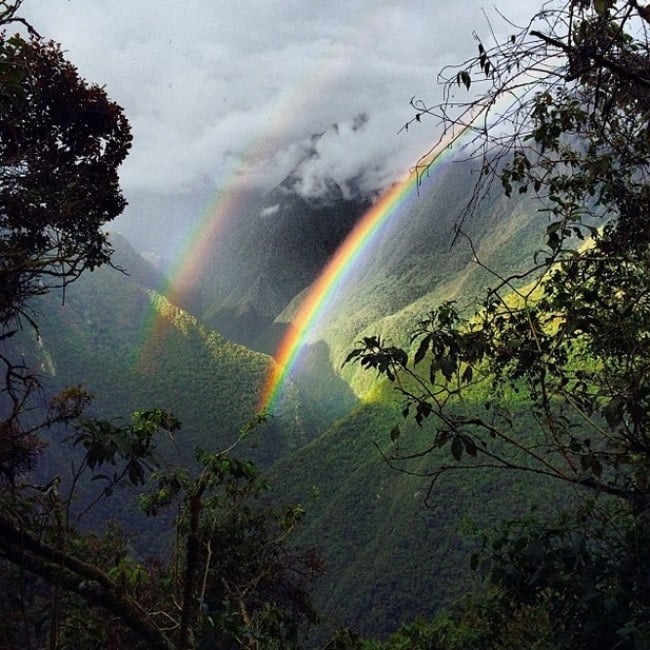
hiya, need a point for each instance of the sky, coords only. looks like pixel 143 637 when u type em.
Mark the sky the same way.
pixel 224 93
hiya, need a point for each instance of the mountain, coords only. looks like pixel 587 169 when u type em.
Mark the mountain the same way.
pixel 417 262
pixel 255 275
pixel 390 558
pixel 252 272
pixel 134 349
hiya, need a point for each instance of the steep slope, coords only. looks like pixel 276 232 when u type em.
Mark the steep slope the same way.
pixel 417 263
pixel 389 557
pixel 252 272
pixel 133 349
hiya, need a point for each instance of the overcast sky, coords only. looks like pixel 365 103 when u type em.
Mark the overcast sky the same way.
pixel 225 91
pixel 217 86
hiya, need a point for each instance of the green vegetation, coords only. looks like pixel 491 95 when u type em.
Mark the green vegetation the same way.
pixel 501 501
pixel 572 344
pixel 389 555
pixel 229 578
pixel 226 576
pixel 414 266
pixel 130 346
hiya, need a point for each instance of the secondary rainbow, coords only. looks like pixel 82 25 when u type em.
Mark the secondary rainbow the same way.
pixel 338 269
pixel 207 228
pixel 326 66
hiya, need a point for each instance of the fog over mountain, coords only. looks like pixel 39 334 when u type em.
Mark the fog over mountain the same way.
pixel 222 95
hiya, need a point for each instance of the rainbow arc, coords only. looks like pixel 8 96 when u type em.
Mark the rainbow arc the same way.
pixel 321 295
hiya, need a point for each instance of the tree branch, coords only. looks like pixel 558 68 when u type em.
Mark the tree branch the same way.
pixel 86 580
pixel 621 71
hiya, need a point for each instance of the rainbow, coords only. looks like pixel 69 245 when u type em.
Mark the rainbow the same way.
pixel 182 274
pixel 192 255
pixel 338 269
pixel 189 261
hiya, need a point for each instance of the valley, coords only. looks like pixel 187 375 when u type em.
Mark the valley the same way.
pixel 384 548
pixel 293 398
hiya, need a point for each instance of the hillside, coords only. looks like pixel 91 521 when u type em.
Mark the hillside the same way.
pixel 251 272
pixel 416 264
pixel 383 547
pixel 390 557
pixel 133 349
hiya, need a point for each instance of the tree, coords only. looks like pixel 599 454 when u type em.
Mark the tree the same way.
pixel 231 578
pixel 61 143
pixel 236 580
pixel 549 376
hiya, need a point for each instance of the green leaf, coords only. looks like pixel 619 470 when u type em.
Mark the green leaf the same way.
pixel 422 349
pixel 613 412
pixel 470 447
pixel 464 77
pixel 447 366
pixel 457 448
pixel 600 7
pixel 353 355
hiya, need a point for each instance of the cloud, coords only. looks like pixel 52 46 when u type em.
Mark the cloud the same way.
pixel 270 211
pixel 225 92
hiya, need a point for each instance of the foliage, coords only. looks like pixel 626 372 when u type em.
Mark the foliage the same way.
pixel 38 523
pixel 231 578
pixel 567 340
pixel 61 142
pixel 558 584
pixel 586 570
pixel 244 584
pixel 573 342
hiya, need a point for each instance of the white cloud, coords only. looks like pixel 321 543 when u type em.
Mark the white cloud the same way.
pixel 218 90
pixel 270 211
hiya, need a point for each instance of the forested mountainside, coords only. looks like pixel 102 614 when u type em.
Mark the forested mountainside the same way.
pixel 480 369
pixel 383 546
pixel 419 261
pixel 121 338
pixel 250 272
pixel 116 335
pixel 255 275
